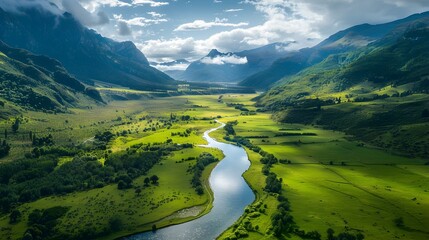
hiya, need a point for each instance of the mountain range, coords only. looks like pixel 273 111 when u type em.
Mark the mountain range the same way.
pixel 344 41
pixel 87 55
pixel 232 67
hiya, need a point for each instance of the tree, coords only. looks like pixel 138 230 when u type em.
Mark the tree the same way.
pixel 15 125
pixel 138 191
pixel 154 179
pixel 5 133
pixel 154 228
pixel 330 232
pixel 115 223
pixel 146 181
pixel 14 216
pixel 122 185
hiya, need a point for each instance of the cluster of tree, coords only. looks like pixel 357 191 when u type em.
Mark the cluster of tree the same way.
pixel 4 148
pixel 281 220
pixel 238 106
pixel 244 142
pixel 104 136
pixel 285 134
pixel 43 222
pixel 229 127
pixel 42 141
pixel 202 161
pixel 272 183
pixel 186 133
pixel 53 150
pixel 344 235
pixel 368 99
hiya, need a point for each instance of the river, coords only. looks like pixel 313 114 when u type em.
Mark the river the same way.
pixel 231 196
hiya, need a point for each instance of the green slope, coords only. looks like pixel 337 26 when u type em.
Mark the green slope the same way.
pixel 378 94
pixel 39 83
pixel 351 39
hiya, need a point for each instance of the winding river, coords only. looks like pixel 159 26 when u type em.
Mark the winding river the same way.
pixel 231 196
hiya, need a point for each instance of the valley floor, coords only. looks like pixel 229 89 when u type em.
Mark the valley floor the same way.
pixel 330 182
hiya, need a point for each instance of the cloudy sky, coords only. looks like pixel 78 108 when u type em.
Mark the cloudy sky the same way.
pixel 167 30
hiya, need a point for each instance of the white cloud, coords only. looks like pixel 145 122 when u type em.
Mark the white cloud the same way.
pixel 139 21
pixel 156 15
pixel 175 67
pixel 203 25
pixel 93 5
pixel 225 59
pixel 159 50
pixel 233 10
pixel 84 16
pixel 151 3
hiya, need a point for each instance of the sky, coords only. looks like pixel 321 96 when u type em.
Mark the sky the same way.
pixel 167 30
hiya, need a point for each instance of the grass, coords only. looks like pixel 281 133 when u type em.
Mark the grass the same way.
pixel 366 193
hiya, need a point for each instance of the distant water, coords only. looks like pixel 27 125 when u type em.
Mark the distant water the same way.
pixel 231 196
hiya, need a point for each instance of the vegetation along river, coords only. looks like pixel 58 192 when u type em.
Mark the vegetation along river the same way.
pixel 231 196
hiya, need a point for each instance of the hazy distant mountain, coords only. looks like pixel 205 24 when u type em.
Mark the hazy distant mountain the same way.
pixel 343 41
pixel 233 67
pixel 174 69
pixel 84 53
pixel 37 82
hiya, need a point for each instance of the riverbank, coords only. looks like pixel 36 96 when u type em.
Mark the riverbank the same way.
pixel 231 196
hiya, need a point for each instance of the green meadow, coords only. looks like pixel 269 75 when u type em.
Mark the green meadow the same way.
pixel 336 183
pixel 330 182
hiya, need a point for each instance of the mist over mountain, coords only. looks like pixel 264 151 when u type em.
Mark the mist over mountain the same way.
pixel 233 67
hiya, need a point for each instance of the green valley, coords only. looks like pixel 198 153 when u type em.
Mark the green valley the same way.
pixel 280 131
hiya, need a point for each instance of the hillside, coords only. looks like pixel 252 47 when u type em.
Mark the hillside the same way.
pixel 36 82
pixel 344 41
pixel 84 53
pixel 233 67
pixel 379 94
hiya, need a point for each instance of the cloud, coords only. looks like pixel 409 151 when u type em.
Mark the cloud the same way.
pixel 15 5
pixel 151 3
pixel 203 25
pixel 139 21
pixel 161 49
pixel 93 5
pixel 124 29
pixel 233 10
pixel 225 59
pixel 156 15
pixel 175 67
pixel 85 17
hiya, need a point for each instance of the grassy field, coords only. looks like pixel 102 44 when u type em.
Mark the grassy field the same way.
pixel 331 182
pixel 338 184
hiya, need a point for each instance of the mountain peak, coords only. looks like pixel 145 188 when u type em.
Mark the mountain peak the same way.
pixel 214 53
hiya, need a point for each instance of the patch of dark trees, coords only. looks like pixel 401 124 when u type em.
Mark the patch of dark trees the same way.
pixel 4 148
pixel 202 161
pixel 285 134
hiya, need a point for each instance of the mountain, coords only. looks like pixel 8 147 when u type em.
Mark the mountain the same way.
pixel 233 66
pixel 350 39
pixel 379 93
pixel 40 83
pixel 83 52
pixel 174 69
